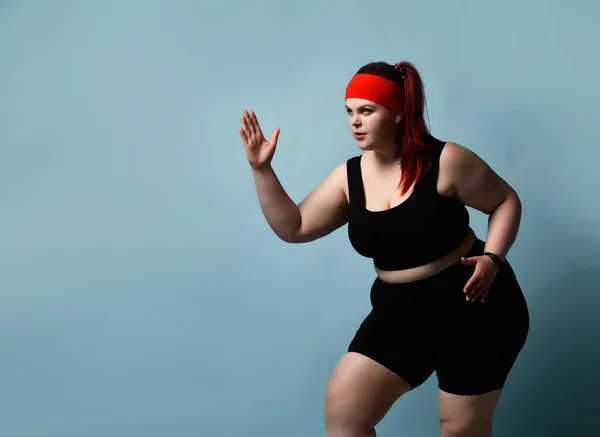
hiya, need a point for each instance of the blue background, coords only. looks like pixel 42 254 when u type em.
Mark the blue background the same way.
pixel 142 291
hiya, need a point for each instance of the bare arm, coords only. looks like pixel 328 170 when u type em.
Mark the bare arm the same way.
pixel 320 213
pixel 479 187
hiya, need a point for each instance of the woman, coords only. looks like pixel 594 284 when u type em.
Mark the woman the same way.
pixel 443 300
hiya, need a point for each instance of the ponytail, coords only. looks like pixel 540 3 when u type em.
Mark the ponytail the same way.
pixel 413 132
pixel 412 135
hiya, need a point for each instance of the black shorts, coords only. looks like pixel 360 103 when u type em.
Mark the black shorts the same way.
pixel 424 326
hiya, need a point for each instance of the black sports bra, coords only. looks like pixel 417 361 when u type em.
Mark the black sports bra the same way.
pixel 423 228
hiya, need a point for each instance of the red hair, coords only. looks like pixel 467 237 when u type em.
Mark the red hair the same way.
pixel 412 135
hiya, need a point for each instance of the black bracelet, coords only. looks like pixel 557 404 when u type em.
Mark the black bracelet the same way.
pixel 495 258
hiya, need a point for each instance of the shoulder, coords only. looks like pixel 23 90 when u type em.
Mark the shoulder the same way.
pixel 455 157
pixel 472 180
pixel 456 163
pixel 339 174
pixel 341 168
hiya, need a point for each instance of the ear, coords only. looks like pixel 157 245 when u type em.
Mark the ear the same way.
pixel 398 118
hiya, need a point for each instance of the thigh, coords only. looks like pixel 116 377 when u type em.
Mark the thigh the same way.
pixel 395 339
pixel 361 391
pixel 477 344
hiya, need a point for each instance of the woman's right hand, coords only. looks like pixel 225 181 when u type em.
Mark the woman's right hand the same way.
pixel 259 151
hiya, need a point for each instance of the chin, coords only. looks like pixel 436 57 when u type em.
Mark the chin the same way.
pixel 364 146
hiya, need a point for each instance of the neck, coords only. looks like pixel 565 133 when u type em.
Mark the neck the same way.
pixel 386 157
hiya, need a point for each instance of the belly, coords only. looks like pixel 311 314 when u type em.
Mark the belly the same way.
pixel 430 269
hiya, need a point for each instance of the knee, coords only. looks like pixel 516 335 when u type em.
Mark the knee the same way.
pixel 341 412
pixel 455 428
pixel 466 427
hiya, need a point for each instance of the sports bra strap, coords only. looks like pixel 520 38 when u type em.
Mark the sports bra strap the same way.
pixel 356 190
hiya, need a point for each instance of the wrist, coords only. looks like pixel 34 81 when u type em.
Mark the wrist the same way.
pixel 263 169
pixel 497 260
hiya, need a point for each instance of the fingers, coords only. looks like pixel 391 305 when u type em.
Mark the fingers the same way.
pixel 472 282
pixel 243 135
pixel 247 124
pixel 475 293
pixel 251 122
pixel 254 123
pixel 474 287
pixel 247 131
pixel 478 294
pixel 275 136
pixel 476 284
pixel 470 261
pixel 252 128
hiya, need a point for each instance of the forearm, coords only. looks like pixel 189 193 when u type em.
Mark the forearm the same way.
pixel 503 226
pixel 280 211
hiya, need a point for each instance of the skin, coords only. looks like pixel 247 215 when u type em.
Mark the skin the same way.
pixel 360 391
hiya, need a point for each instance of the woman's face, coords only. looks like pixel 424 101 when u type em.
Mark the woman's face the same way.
pixel 376 122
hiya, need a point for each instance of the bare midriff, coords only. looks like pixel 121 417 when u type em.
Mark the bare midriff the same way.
pixel 430 269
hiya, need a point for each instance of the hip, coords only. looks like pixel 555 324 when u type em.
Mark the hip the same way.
pixel 442 294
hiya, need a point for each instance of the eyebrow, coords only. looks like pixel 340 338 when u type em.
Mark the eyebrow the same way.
pixel 363 106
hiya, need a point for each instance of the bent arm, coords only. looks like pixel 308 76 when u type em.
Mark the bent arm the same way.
pixel 479 187
pixel 321 212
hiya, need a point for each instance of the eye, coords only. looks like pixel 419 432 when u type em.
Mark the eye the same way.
pixel 364 110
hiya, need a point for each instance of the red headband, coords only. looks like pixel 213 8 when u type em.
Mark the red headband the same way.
pixel 376 89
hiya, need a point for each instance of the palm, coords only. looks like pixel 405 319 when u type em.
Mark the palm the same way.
pixel 259 151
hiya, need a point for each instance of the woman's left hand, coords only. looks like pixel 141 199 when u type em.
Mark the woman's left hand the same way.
pixel 478 285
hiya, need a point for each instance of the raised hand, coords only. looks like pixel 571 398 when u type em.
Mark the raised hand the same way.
pixel 259 151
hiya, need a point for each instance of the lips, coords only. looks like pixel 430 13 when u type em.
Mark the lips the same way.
pixel 359 134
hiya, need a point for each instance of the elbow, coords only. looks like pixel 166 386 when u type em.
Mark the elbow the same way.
pixel 295 238
pixel 511 202
pixel 288 238
pixel 291 236
pixel 298 235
